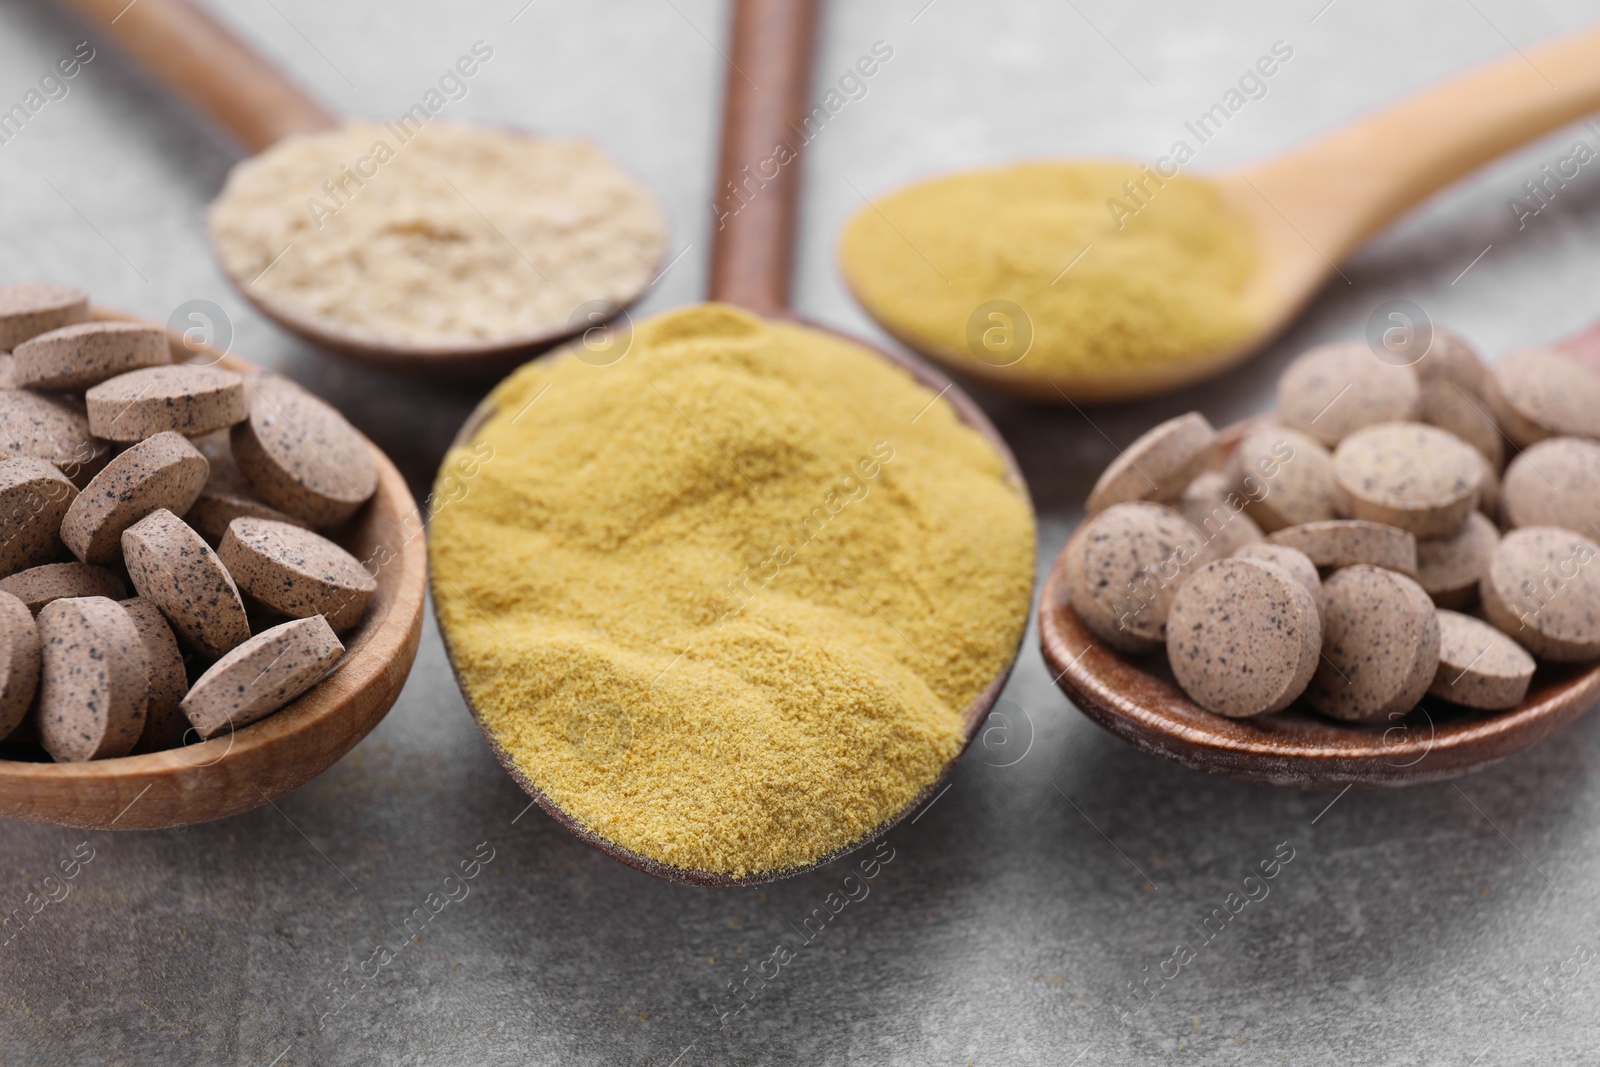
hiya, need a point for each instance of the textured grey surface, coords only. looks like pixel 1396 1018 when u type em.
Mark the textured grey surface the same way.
pixel 1446 924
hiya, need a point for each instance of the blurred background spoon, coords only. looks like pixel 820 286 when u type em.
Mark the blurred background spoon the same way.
pixel 194 55
pixel 1307 210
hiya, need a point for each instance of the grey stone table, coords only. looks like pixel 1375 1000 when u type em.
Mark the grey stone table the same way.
pixel 1448 924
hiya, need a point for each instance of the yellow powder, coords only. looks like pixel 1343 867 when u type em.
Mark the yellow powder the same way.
pixel 1163 285
pixel 726 599
pixel 456 235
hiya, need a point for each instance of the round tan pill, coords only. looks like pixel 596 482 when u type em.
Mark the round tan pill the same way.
pixel 1449 568
pixel 1535 393
pixel 1124 567
pixel 164 722
pixel 174 568
pixel 1349 542
pixel 53 429
pixel 164 471
pixel 1543 589
pixel 28 309
pixel 227 495
pixel 1410 475
pixel 1447 405
pixel 1380 645
pixel 1243 637
pixel 33 498
pixel 1159 464
pixel 75 357
pixel 183 398
pixel 1285 476
pixel 1216 511
pixel 92 679
pixel 1479 667
pixel 1334 390
pixel 1451 358
pixel 38 586
pixel 296 572
pixel 1296 562
pixel 1555 483
pixel 19 662
pixel 8 371
pixel 301 456
pixel 262 675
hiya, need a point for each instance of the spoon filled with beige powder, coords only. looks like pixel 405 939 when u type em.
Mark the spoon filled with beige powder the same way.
pixel 417 243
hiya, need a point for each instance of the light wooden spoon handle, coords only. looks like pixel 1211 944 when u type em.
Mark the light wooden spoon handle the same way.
pixel 758 180
pixel 1342 188
pixel 203 62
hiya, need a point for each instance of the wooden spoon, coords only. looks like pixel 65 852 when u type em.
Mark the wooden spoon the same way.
pixel 250 767
pixel 1313 207
pixel 750 266
pixel 205 63
pixel 1137 700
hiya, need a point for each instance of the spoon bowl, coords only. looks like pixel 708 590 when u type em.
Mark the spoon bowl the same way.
pixel 206 64
pixel 1314 206
pixel 261 762
pixel 972 718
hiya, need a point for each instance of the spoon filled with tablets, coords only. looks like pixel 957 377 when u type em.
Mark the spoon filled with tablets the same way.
pixel 1356 589
pixel 419 244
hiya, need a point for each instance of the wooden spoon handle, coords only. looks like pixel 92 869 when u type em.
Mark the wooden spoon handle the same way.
pixel 1343 187
pixel 763 133
pixel 202 61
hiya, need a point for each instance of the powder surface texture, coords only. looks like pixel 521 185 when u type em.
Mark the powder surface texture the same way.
pixel 460 234
pixel 1102 290
pixel 726 599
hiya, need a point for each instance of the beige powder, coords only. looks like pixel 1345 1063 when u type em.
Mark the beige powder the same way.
pixel 457 235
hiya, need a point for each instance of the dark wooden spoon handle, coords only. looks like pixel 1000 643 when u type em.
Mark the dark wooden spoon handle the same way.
pixel 203 62
pixel 758 181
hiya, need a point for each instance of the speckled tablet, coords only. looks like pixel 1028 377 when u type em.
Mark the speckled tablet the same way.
pixel 1334 390
pixel 1380 645
pixel 53 429
pixel 1124 567
pixel 1451 358
pixel 1159 464
pixel 1479 667
pixel 19 662
pixel 262 675
pixel 301 456
pixel 1410 475
pixel 173 567
pixel 1450 568
pixel 164 722
pixel 1296 562
pixel 34 496
pixel 1285 477
pixel 1348 542
pixel 1535 393
pixel 74 358
pixel 92 679
pixel 184 398
pixel 1454 409
pixel 296 572
pixel 28 309
pixel 37 586
pixel 227 495
pixel 1216 510
pixel 8 371
pixel 1555 483
pixel 164 471
pixel 1243 637
pixel 1543 589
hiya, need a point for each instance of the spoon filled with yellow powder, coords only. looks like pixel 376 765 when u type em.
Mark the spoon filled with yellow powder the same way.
pixel 420 242
pixel 1095 281
pixel 728 593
